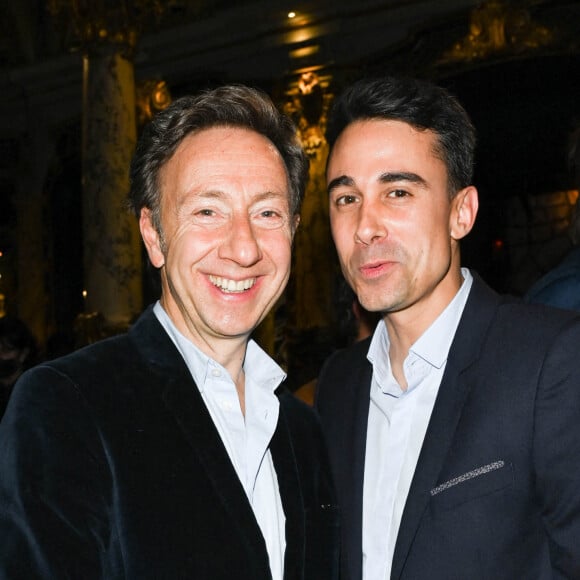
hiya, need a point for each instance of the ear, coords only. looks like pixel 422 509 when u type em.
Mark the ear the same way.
pixel 295 223
pixel 151 238
pixel 464 208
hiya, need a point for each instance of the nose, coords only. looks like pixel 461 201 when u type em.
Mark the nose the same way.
pixel 370 225
pixel 240 244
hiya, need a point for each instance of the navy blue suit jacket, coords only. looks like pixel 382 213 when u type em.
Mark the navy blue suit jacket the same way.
pixel 496 491
pixel 111 468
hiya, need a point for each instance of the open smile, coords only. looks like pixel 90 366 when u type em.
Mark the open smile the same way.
pixel 232 286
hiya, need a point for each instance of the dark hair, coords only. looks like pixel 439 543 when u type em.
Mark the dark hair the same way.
pixel 422 105
pixel 227 106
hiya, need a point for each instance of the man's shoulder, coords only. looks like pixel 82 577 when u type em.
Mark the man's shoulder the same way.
pixel 343 374
pixel 121 360
pixel 533 317
pixel 560 287
pixel 294 409
pixel 521 331
pixel 514 314
pixel 347 359
pixel 93 358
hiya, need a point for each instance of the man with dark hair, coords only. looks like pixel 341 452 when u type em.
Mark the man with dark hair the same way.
pixel 173 451
pixel 454 431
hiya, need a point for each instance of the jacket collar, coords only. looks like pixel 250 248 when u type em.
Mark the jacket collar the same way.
pixel 180 395
pixel 457 380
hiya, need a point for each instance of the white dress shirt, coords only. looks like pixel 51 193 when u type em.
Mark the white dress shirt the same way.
pixel 246 439
pixel 397 424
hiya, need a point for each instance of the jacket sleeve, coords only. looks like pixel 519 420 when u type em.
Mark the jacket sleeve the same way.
pixel 54 485
pixel 556 449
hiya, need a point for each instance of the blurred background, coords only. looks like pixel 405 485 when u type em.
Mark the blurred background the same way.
pixel 79 79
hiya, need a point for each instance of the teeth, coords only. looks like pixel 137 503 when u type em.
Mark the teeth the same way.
pixel 232 285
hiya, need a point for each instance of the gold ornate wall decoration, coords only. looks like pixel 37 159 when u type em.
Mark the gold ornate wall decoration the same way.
pixel 91 22
pixel 495 27
pixel 314 265
pixel 308 103
pixel 152 97
pixel 85 24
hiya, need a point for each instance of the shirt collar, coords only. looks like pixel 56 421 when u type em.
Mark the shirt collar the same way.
pixel 434 344
pixel 259 368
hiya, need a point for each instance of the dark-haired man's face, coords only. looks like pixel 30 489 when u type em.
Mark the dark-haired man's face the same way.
pixel 393 223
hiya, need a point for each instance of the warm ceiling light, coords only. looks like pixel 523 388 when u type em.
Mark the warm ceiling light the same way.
pixel 291 14
pixel 304 51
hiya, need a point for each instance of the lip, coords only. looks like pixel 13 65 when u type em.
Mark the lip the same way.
pixel 372 270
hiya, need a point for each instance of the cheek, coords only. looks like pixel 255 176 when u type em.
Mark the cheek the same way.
pixel 187 248
pixel 279 247
pixel 283 253
pixel 436 247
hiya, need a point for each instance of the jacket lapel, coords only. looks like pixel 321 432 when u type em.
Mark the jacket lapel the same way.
pixel 455 385
pixel 183 399
pixel 284 460
pixel 353 434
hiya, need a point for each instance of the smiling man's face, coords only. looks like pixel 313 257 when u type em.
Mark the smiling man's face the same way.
pixel 227 233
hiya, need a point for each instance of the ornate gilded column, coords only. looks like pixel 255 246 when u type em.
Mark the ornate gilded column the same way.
pixel 313 254
pixel 112 262
pixel 111 242
pixel 310 304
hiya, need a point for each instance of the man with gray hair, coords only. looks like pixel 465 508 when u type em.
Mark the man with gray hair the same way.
pixel 174 451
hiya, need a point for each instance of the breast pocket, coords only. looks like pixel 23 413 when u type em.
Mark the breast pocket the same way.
pixel 477 483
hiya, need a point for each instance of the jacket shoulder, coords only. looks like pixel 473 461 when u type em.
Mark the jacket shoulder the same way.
pixel 345 362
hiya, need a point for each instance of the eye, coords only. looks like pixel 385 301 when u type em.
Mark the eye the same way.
pixel 207 217
pixel 270 213
pixel 398 193
pixel 347 199
pixel 205 212
pixel 269 218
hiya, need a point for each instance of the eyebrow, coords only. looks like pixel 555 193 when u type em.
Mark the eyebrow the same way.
pixel 340 181
pixel 391 177
pixel 388 177
pixel 219 194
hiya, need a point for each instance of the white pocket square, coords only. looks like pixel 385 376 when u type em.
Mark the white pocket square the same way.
pixel 469 475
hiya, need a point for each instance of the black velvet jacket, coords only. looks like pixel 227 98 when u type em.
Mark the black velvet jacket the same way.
pixel 111 468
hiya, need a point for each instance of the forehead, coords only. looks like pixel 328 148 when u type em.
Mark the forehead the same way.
pixel 216 144
pixel 224 159
pixel 383 140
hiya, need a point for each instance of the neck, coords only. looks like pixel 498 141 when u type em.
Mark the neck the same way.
pixel 406 326
pixel 230 352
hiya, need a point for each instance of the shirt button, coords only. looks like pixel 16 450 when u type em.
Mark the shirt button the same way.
pixel 216 373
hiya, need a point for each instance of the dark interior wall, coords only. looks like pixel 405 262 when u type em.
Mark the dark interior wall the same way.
pixel 524 111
